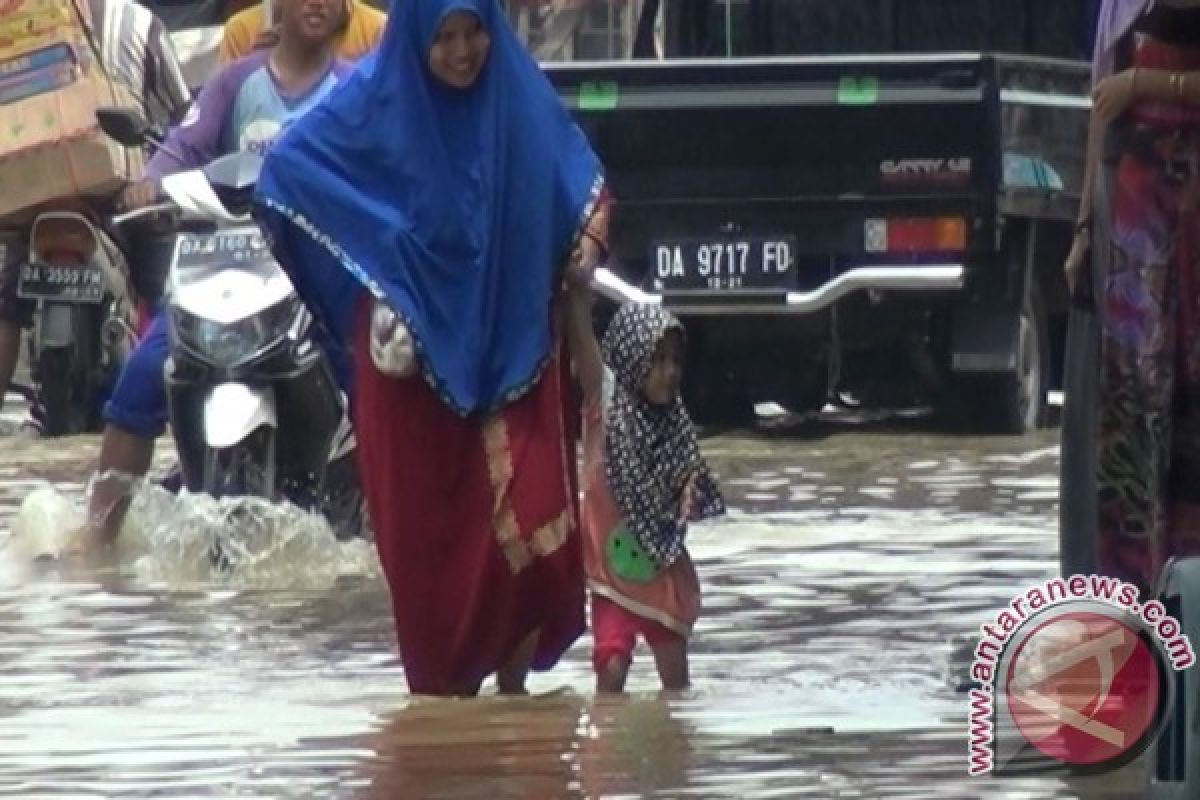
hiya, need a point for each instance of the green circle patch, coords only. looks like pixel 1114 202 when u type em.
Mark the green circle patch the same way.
pixel 627 558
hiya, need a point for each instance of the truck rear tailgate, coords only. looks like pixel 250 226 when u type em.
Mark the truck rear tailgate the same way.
pixel 745 163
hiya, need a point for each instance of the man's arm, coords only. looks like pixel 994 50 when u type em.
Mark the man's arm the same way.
pixel 197 139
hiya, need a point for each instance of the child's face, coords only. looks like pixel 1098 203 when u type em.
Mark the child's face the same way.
pixel 661 384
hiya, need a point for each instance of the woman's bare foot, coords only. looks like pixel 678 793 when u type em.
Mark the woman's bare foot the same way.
pixel 510 678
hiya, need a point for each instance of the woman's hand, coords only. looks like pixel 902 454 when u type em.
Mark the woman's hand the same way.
pixel 576 277
pixel 392 348
pixel 1113 95
pixel 1076 257
pixel 582 264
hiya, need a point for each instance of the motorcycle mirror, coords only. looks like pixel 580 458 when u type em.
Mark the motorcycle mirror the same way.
pixel 125 125
pixel 233 178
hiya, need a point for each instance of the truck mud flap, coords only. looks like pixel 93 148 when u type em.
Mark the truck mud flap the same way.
pixel 984 340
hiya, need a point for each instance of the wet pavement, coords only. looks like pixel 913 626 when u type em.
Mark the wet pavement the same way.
pixel 839 595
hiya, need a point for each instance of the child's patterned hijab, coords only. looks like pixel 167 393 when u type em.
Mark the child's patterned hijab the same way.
pixel 651 451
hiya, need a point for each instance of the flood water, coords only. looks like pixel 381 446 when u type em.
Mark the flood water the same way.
pixel 850 574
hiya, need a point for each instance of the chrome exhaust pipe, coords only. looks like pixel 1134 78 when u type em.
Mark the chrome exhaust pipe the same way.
pixel 610 285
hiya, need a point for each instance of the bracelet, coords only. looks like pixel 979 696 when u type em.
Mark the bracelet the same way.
pixel 603 245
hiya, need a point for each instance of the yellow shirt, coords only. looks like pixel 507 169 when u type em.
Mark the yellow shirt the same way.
pixel 361 35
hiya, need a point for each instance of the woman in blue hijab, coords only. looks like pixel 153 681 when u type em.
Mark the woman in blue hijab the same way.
pixel 425 212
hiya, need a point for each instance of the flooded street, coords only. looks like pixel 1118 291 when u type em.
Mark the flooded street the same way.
pixel 839 594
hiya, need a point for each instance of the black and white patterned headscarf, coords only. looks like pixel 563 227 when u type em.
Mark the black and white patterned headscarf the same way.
pixel 651 451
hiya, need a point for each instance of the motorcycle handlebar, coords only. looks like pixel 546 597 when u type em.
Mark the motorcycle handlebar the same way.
pixel 137 213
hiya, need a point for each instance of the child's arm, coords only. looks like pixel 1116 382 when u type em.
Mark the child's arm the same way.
pixel 581 338
pixel 687 503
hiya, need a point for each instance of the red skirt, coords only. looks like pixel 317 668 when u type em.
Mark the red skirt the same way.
pixel 476 521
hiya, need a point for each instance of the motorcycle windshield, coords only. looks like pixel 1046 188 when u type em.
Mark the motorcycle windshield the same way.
pixel 226 276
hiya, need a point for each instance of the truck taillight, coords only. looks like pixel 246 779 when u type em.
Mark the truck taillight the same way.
pixel 915 235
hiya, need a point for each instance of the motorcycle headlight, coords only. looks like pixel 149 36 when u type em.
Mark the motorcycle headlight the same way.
pixel 226 345
pixel 230 344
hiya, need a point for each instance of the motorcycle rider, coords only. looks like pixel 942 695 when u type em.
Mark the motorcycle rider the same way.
pixel 248 30
pixel 135 49
pixel 243 107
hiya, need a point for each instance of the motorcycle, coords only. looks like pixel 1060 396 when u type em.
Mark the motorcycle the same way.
pixel 252 400
pixel 86 316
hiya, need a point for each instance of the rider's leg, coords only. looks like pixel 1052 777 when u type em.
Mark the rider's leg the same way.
pixel 10 350
pixel 15 313
pixel 135 416
pixel 122 455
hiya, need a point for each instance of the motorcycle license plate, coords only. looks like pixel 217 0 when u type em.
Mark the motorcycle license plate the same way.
pixel 227 248
pixel 61 284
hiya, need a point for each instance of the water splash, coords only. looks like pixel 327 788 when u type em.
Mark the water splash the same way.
pixel 244 542
pixel 186 540
pixel 44 526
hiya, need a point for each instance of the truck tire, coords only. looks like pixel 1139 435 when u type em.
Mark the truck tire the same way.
pixel 1013 403
pixel 1023 404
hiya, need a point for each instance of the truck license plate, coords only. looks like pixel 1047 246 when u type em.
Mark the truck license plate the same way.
pixel 721 264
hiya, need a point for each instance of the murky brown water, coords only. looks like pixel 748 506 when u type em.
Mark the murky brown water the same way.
pixel 852 568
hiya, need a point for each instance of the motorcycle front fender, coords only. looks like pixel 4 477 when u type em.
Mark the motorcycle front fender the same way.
pixel 56 326
pixel 232 411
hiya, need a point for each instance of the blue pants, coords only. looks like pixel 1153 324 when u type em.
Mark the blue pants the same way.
pixel 138 403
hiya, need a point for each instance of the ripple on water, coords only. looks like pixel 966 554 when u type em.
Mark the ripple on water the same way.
pixel 820 664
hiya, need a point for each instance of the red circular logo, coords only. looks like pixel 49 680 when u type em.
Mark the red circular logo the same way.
pixel 1084 688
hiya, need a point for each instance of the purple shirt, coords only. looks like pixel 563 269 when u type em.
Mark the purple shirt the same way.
pixel 242 107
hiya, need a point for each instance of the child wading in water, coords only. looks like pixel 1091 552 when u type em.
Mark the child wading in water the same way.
pixel 643 481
